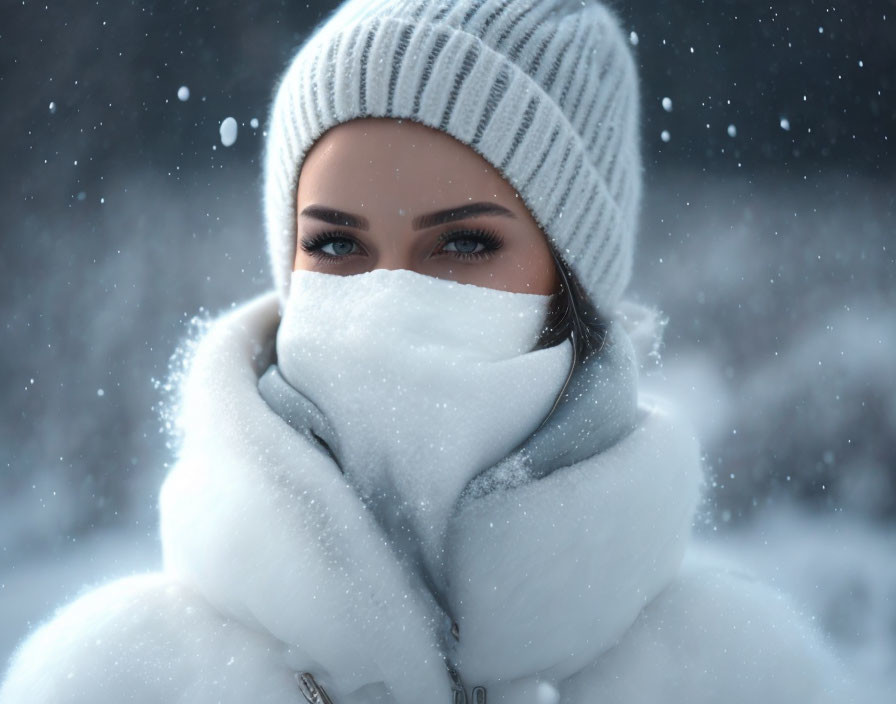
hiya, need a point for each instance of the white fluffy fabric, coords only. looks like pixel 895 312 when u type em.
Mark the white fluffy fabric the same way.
pixel 568 588
pixel 425 382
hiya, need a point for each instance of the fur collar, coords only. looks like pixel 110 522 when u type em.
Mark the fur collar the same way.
pixel 545 576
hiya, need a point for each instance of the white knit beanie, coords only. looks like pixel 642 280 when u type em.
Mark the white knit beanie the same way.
pixel 545 90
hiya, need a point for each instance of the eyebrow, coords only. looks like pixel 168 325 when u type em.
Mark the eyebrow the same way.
pixel 421 222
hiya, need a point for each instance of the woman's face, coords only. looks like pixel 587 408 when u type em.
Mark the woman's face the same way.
pixel 379 193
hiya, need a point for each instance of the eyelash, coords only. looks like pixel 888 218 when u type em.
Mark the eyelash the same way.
pixel 489 239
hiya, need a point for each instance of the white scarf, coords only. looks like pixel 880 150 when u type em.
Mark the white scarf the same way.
pixel 427 383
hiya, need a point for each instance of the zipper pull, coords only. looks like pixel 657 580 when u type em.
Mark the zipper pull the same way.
pixel 311 690
pixel 457 687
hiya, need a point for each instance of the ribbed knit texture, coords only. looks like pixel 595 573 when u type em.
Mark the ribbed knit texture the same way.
pixel 546 91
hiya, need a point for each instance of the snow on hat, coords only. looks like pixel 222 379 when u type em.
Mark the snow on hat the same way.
pixel 545 90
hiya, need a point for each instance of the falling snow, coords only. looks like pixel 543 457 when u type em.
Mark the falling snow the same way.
pixel 228 131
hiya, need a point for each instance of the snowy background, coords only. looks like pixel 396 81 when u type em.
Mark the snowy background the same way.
pixel 768 238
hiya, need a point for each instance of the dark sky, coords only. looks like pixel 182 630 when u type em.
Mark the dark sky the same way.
pixel 112 70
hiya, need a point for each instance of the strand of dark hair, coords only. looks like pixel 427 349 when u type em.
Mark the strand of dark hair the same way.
pixel 573 315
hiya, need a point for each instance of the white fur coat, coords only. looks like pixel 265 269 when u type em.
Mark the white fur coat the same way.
pixel 576 588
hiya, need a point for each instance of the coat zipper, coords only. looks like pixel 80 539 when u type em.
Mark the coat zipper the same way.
pixel 459 694
pixel 311 690
pixel 315 694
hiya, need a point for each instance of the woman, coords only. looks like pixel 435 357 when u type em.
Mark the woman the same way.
pixel 420 470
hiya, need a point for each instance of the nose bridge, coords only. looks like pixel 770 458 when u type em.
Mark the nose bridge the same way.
pixel 396 246
pixel 393 263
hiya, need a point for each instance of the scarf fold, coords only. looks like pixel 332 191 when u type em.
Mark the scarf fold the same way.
pixel 549 554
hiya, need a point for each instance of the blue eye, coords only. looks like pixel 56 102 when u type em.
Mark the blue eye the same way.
pixel 338 248
pixel 464 245
pixel 470 244
pixel 330 246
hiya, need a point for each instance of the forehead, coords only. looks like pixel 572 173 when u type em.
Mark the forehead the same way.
pixel 376 159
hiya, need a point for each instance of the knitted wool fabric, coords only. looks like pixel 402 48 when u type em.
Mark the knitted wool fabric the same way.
pixel 546 91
